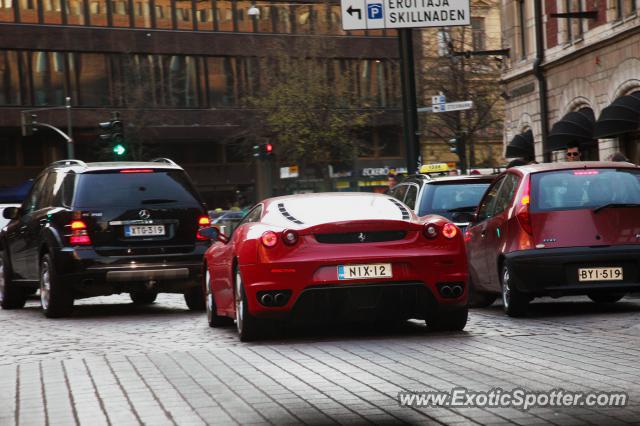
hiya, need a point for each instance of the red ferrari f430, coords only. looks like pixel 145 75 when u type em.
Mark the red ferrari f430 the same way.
pixel 349 256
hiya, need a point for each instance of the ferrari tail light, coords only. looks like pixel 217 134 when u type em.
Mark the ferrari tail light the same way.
pixel 430 231
pixel 449 230
pixel 269 239
pixel 290 237
pixel 79 235
pixel 203 222
pixel 522 210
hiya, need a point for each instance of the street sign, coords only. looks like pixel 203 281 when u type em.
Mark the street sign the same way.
pixel 451 106
pixel 375 14
pixel 440 99
pixel 289 172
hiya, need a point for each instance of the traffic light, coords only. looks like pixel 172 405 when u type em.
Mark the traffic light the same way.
pixel 457 145
pixel 114 134
pixel 262 151
pixel 29 124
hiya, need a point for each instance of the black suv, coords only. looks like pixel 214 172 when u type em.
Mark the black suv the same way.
pixel 97 229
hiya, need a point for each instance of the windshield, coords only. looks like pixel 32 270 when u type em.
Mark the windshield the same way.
pixel 162 188
pixel 445 199
pixel 584 189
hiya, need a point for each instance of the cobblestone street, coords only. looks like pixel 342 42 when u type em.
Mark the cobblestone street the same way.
pixel 115 363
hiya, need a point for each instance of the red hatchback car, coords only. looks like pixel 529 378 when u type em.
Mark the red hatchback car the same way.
pixel 352 256
pixel 557 229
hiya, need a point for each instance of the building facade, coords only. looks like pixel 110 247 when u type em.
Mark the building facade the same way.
pixel 474 76
pixel 178 73
pixel 586 63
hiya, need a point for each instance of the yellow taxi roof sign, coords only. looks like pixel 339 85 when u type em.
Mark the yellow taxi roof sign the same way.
pixel 434 168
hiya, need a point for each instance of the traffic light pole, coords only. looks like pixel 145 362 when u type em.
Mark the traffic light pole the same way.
pixel 68 137
pixel 409 102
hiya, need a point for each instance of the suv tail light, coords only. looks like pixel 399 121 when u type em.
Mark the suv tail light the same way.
pixel 79 235
pixel 522 210
pixel 203 222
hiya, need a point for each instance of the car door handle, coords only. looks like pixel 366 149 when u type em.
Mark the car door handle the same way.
pixel 483 234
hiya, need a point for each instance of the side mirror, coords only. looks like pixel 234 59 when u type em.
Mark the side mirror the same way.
pixel 211 233
pixel 11 213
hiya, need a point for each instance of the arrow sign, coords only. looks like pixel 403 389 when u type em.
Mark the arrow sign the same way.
pixel 358 11
pixel 451 106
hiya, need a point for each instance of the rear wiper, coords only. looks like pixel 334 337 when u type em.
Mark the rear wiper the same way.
pixel 158 201
pixel 597 209
pixel 463 209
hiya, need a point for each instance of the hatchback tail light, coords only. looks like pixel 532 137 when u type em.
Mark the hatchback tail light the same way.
pixel 79 235
pixel 203 222
pixel 522 210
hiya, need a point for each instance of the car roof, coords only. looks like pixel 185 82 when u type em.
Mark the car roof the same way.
pixel 573 165
pixel 78 166
pixel 448 179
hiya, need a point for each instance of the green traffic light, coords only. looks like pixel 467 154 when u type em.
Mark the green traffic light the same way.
pixel 119 149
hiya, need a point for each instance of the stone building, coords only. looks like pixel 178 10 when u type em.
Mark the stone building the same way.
pixel 460 78
pixel 575 84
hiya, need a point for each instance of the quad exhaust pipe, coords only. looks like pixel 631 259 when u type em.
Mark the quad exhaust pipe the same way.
pixel 451 290
pixel 274 298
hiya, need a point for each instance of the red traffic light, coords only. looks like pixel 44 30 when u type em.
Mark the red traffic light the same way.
pixel 268 148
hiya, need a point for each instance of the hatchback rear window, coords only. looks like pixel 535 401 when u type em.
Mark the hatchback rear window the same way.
pixel 584 188
pixel 442 199
pixel 159 188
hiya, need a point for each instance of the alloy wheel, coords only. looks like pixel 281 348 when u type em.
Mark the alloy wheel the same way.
pixel 239 302
pixel 506 291
pixel 45 286
pixel 209 294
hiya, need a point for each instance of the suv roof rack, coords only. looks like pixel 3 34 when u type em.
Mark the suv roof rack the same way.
pixel 164 160
pixel 70 162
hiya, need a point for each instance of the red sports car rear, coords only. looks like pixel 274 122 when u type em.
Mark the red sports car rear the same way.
pixel 321 257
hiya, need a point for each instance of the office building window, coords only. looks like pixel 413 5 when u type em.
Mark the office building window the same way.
pixel 6 11
pixel 9 78
pixel 75 12
pixel 52 11
pixel 28 11
pixel 184 15
pixel 142 13
pixel 444 40
pixel 283 18
pixel 575 26
pixel 204 15
pixel 8 155
pixel 478 35
pixel 98 13
pixel 220 75
pixel 224 14
pixel 625 8
pixel 164 19
pixel 48 76
pixel 92 74
pixel 302 19
pixel 120 13
pixel 522 21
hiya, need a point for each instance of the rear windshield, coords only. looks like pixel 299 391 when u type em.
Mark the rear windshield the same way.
pixel 446 199
pixel 160 188
pixel 584 188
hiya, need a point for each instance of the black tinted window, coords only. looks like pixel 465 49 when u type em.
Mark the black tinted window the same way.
pixel 160 188
pixel 399 192
pixel 505 195
pixel 442 198
pixel 30 203
pixel 584 188
pixel 410 198
pixel 488 203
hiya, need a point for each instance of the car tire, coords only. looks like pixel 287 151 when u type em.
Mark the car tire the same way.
pixel 11 296
pixel 194 297
pixel 514 302
pixel 606 297
pixel 246 324
pixel 143 297
pixel 213 318
pixel 448 320
pixel 56 298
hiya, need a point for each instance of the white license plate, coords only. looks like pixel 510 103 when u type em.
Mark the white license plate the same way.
pixel 600 274
pixel 143 230
pixel 356 272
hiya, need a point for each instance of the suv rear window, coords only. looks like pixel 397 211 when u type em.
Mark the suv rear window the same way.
pixel 170 188
pixel 442 198
pixel 584 188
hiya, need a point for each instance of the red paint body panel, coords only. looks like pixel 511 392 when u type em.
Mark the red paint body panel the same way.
pixel 310 263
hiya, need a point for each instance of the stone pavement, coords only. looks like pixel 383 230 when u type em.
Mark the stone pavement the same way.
pixel 113 363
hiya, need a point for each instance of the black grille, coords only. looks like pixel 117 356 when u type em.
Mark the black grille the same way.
pixel 360 237
pixel 287 215
pixel 142 251
pixel 403 209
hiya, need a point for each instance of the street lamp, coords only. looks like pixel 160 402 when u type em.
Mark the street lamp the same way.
pixel 253 10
